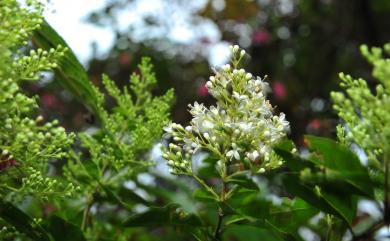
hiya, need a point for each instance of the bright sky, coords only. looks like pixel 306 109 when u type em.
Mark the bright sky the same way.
pixel 68 18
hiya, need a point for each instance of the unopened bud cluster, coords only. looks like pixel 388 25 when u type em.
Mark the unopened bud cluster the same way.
pixel 27 142
pixel 17 23
pixel 241 128
pixel 39 60
pixel 366 113
pixel 42 187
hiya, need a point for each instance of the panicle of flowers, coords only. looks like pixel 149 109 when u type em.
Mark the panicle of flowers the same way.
pixel 366 113
pixel 27 143
pixel 128 130
pixel 240 129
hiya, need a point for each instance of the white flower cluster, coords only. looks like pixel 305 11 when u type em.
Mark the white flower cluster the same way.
pixel 240 129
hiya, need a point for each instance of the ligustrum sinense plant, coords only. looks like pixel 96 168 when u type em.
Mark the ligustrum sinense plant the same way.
pixel 28 143
pixel 239 133
pixel 116 151
pixel 366 112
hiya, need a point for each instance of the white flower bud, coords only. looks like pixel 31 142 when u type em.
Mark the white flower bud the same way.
pixel 225 67
pixel 39 118
pixel 242 53
pixel 189 128
pixel 206 135
pixel 261 170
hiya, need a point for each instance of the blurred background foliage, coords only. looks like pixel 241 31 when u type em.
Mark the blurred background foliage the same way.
pixel 300 45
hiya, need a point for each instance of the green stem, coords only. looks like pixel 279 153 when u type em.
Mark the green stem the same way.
pixel 222 199
pixel 86 212
pixel 207 187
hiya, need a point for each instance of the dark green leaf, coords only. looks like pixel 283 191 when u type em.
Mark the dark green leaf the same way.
pixel 250 233
pixel 242 179
pixel 70 72
pixel 204 196
pixel 169 215
pixel 22 222
pixel 343 206
pixel 61 230
pixel 289 218
pixel 341 164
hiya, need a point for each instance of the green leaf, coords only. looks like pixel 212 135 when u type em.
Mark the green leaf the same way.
pixel 293 162
pixel 341 164
pixel 300 212
pixel 204 196
pixel 130 196
pixel 250 233
pixel 61 230
pixel 242 179
pixel 169 215
pixel 208 167
pixel 70 72
pixel 22 222
pixel 343 206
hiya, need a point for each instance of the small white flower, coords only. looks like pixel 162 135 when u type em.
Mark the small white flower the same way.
pixel 226 67
pixel 207 124
pixel 283 122
pixel 253 155
pixel 234 152
pixel 214 110
pixel 189 128
pixel 246 127
pixel 235 48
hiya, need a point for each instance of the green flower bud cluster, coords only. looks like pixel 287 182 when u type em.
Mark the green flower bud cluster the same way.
pixel 17 23
pixel 37 184
pixel 27 144
pixel 240 130
pixel 128 129
pixel 366 113
pixel 39 60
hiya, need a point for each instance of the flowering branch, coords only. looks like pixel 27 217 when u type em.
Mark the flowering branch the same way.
pixel 240 130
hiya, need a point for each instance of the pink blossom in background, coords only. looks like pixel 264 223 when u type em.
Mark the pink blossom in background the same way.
pixel 279 90
pixel 315 124
pixel 49 100
pixel 261 37
pixel 124 59
pixel 202 90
